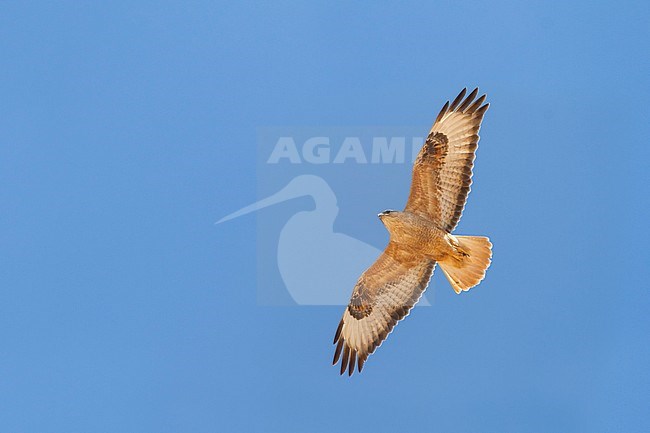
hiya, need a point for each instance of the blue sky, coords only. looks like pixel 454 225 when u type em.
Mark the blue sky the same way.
pixel 127 129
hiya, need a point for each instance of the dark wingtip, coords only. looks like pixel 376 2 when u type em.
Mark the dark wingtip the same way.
pixel 337 352
pixel 468 100
pixel 338 332
pixel 472 108
pixel 353 358
pixel 346 356
pixel 481 111
pixel 442 112
pixel 360 362
pixel 458 99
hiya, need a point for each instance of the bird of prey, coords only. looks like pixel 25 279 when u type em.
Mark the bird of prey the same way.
pixel 420 236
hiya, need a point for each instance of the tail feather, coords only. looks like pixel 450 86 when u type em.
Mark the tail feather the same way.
pixel 468 269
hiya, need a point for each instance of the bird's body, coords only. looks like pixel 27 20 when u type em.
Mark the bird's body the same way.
pixel 420 236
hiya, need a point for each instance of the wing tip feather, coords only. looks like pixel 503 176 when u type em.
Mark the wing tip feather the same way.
pixel 346 357
pixel 458 98
pixel 472 108
pixel 468 100
pixel 338 332
pixel 481 111
pixel 444 110
pixel 352 361
pixel 337 352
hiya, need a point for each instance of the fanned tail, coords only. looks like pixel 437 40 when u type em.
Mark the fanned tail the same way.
pixel 468 269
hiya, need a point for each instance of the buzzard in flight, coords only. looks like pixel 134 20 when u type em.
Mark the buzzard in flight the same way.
pixel 420 236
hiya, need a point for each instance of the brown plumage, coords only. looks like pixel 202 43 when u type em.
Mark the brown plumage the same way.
pixel 420 236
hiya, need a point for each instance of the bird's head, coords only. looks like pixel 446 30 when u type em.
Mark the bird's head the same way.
pixel 389 217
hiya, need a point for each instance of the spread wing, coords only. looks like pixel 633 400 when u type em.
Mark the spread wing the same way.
pixel 384 295
pixel 442 173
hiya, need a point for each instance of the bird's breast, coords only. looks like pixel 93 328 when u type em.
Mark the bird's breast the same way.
pixel 424 238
